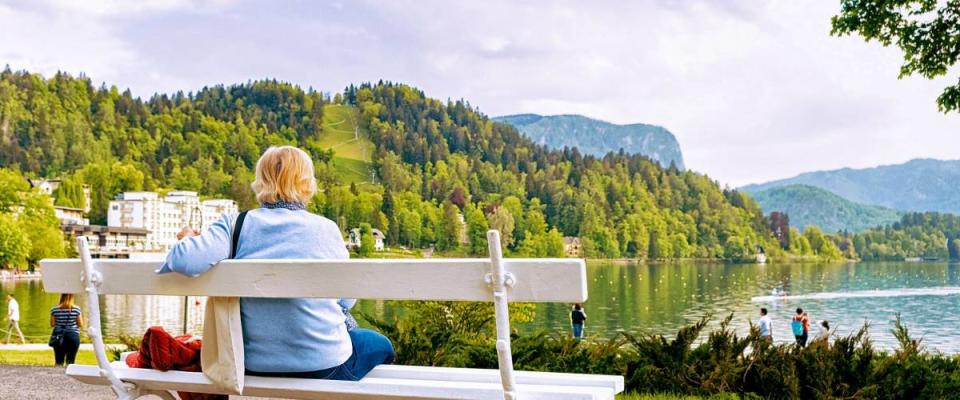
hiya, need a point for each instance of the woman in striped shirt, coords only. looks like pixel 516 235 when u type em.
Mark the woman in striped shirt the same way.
pixel 66 320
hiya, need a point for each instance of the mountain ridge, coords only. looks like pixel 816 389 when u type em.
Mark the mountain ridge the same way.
pixel 921 184
pixel 809 205
pixel 597 137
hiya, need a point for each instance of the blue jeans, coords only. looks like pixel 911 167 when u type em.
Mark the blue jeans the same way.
pixel 66 353
pixel 370 349
pixel 578 331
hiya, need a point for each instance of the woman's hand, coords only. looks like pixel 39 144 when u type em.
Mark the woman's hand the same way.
pixel 187 232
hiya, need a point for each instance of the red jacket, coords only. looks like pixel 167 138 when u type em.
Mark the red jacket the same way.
pixel 159 350
pixel 805 320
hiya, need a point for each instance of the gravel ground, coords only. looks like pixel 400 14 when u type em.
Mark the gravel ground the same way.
pixel 45 383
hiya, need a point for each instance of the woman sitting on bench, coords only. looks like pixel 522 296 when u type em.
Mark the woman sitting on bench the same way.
pixel 303 338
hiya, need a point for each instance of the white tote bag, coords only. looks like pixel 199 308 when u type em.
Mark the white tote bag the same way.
pixel 221 355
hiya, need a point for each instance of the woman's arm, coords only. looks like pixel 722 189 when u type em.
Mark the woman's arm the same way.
pixel 79 319
pixel 195 255
pixel 53 321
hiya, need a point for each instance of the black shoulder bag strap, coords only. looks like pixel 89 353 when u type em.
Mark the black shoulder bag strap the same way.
pixel 236 234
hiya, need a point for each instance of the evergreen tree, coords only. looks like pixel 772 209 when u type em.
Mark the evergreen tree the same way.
pixel 389 211
pixel 367 241
pixel 69 194
pixel 477 228
pixel 451 228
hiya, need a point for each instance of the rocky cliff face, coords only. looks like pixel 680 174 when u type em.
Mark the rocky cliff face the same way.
pixel 597 137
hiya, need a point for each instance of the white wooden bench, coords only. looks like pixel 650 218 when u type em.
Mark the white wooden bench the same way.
pixel 483 279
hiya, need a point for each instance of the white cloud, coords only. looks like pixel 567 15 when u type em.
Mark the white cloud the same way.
pixel 49 43
pixel 122 8
pixel 753 91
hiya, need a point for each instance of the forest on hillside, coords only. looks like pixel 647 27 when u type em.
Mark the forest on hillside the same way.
pixel 929 234
pixel 440 168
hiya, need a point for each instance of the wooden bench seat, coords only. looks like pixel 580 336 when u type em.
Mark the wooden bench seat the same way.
pixel 491 279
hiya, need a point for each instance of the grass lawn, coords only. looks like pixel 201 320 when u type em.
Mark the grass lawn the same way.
pixel 339 125
pixel 42 358
pixel 350 170
pixel 393 252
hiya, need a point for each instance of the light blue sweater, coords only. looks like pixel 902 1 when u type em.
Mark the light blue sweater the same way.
pixel 279 335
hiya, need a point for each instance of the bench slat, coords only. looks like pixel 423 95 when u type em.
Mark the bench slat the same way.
pixel 368 388
pixel 537 280
pixel 614 382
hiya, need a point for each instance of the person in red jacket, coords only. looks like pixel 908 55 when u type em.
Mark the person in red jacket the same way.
pixel 801 327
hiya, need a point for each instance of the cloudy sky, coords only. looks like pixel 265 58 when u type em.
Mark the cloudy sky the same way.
pixel 753 90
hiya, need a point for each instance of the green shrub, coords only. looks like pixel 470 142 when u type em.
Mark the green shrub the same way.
pixel 720 364
pixel 130 343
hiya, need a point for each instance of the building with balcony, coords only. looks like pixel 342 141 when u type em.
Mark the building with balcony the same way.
pixel 109 241
pixel 70 215
pixel 164 217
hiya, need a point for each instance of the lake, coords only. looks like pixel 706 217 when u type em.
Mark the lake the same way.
pixel 652 298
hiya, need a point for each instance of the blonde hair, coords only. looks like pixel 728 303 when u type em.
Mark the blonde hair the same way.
pixel 284 173
pixel 66 301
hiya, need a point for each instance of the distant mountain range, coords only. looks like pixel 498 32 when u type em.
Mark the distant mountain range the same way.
pixel 917 185
pixel 808 205
pixel 597 137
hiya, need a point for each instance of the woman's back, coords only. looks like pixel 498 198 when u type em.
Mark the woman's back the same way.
pixel 65 318
pixel 279 335
pixel 292 335
pixel 289 337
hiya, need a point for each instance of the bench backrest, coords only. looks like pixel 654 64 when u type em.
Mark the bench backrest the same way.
pixel 535 280
pixel 492 279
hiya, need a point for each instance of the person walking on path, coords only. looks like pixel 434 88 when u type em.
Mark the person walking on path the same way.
pixel 801 327
pixel 766 326
pixel 13 318
pixel 66 321
pixel 577 317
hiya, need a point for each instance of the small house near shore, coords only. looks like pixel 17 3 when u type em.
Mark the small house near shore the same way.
pixel 571 246
pixel 354 239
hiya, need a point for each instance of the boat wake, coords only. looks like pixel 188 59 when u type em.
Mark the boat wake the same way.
pixel 933 291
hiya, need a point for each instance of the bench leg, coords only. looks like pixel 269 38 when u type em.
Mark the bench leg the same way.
pixel 92 280
pixel 500 282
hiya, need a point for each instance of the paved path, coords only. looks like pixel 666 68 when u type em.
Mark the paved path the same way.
pixel 49 383
pixel 44 346
pixel 46 383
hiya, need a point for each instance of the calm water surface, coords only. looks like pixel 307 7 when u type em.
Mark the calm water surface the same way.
pixel 652 298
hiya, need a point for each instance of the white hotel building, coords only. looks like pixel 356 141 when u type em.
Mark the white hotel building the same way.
pixel 165 217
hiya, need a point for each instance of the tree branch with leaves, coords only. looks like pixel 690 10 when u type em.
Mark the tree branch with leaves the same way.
pixel 928 32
